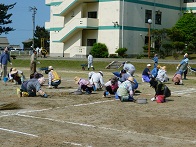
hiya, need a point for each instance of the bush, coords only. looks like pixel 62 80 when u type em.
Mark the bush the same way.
pixel 99 50
pixel 113 56
pixel 175 55
pixel 139 56
pixel 121 52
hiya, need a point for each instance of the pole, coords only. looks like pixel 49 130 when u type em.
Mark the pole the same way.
pixel 149 43
pixel 123 9
pixel 34 9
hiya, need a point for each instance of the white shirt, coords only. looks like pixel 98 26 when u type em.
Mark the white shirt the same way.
pixel 96 78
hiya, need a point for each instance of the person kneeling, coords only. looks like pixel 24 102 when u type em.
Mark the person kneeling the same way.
pixel 125 91
pixel 30 87
pixel 111 86
pixel 53 78
pixel 83 85
pixel 161 91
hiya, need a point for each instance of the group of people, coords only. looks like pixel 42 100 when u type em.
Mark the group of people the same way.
pixel 33 85
pixel 123 84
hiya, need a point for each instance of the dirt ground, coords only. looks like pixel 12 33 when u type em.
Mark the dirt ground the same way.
pixel 69 120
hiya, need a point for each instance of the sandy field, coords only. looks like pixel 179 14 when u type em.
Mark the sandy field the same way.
pixel 68 120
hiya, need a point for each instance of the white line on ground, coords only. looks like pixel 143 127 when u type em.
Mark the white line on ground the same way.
pixel 187 91
pixel 18 132
pixel 111 129
pixel 77 105
pixel 72 143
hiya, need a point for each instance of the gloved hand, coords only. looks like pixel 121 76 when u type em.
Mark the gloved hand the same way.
pixel 45 95
pixel 177 68
pixel 10 63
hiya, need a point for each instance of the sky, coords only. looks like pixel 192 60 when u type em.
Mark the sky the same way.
pixel 22 20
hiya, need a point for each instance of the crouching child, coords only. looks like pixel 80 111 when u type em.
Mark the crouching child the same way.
pixel 161 91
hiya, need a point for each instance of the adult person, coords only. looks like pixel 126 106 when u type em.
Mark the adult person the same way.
pixel 130 68
pixel 123 76
pixel 183 66
pixel 33 62
pixel 38 51
pixel 90 61
pixel 161 90
pixel 53 78
pixel 186 71
pixel 90 74
pixel 30 87
pixel 4 58
pixel 125 91
pixel 83 85
pixel 97 80
pixel 177 78
pixel 154 71
pixel 146 75
pixel 162 76
pixel 155 59
pixel 111 86
pixel 17 76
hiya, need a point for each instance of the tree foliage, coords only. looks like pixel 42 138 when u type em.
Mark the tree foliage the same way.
pixel 99 50
pixel 41 33
pixel 121 52
pixel 184 31
pixel 5 18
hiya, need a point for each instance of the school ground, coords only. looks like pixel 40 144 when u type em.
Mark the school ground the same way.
pixel 69 120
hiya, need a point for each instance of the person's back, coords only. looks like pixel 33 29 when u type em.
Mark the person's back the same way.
pixel 130 68
pixel 33 84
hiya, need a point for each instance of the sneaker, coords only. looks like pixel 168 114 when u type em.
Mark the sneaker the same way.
pixel 153 99
pixel 25 94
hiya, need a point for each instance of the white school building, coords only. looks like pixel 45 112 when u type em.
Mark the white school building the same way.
pixel 75 25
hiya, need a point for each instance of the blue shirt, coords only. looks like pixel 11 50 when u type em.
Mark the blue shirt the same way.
pixel 155 59
pixel 5 57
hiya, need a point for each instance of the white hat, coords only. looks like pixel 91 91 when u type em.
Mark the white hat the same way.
pixel 101 73
pixel 14 70
pixel 148 65
pixel 77 79
pixel 50 67
pixel 131 79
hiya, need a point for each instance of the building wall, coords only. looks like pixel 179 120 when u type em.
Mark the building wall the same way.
pixel 121 24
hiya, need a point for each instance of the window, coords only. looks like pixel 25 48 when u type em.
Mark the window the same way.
pixel 146 40
pixel 90 42
pixel 92 14
pixel 148 15
pixel 158 17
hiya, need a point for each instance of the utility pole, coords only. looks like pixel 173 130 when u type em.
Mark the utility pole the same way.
pixel 33 9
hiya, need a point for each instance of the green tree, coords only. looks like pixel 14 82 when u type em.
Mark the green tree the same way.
pixel 179 46
pixel 121 52
pixel 5 18
pixel 185 29
pixel 168 47
pixel 41 32
pixel 99 50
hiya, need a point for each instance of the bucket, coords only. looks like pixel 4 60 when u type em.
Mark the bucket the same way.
pixel 141 101
pixel 160 98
